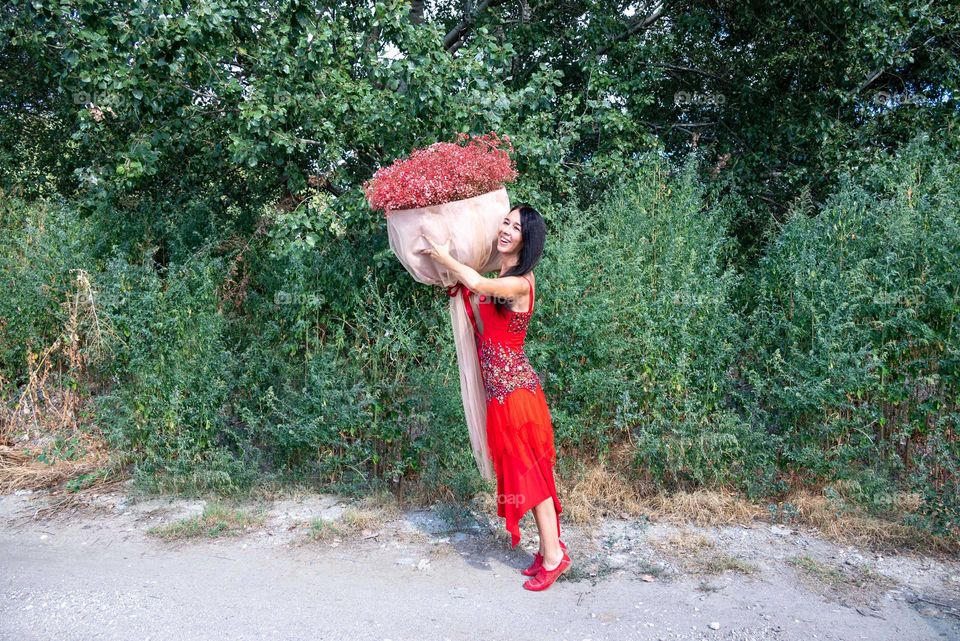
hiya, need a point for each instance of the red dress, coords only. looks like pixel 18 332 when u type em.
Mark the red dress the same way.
pixel 519 426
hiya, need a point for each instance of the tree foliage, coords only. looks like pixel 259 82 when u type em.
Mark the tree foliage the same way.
pixel 157 105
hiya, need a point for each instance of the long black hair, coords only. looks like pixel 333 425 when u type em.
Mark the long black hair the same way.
pixel 533 231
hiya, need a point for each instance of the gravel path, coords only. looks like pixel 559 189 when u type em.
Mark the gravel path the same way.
pixel 99 575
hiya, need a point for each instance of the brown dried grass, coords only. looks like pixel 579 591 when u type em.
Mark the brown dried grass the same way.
pixel 704 507
pixel 598 492
pixel 47 414
pixel 20 469
pixel 609 488
pixel 850 526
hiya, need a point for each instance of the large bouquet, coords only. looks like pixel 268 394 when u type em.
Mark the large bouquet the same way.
pixel 450 191
pixel 447 191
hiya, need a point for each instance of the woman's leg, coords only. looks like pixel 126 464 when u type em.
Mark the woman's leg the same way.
pixel 536 517
pixel 545 514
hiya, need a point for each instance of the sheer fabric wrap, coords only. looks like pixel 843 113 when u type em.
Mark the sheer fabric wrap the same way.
pixel 471 225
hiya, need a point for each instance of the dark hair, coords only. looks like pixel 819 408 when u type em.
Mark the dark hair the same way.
pixel 533 231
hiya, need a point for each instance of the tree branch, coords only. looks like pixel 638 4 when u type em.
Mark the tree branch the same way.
pixel 636 27
pixel 416 12
pixel 455 36
pixel 869 80
pixel 672 67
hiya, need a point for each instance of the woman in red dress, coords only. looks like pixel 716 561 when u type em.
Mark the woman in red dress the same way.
pixel 519 426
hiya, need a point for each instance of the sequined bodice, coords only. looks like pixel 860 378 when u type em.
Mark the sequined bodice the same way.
pixel 503 363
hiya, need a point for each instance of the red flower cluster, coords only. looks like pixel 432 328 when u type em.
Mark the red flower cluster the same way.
pixel 442 173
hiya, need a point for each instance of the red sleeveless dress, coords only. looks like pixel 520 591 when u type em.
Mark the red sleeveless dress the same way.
pixel 519 426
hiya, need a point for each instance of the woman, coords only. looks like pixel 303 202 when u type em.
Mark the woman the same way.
pixel 519 427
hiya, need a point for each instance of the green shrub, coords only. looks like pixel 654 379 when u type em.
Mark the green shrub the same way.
pixel 172 376
pixel 306 351
pixel 349 373
pixel 636 332
pixel 854 338
pixel 41 243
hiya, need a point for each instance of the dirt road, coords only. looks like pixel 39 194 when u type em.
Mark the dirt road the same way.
pixel 425 575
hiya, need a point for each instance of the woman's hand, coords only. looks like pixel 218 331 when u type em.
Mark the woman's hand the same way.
pixel 441 253
pixel 437 252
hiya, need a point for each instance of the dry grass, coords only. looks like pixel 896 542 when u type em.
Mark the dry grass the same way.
pixel 73 484
pixel 370 514
pixel 365 518
pixel 358 520
pixel 822 572
pixel 703 507
pixel 720 563
pixel 599 490
pixel 853 527
pixel 23 468
pixel 44 439
pixel 696 553
pixel 326 530
pixel 383 506
pixel 269 489
pixel 604 488
pixel 352 524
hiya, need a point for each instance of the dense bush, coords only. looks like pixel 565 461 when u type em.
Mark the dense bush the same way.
pixel 636 332
pixel 349 372
pixel 298 352
pixel 854 341
pixel 172 374
pixel 41 244
pixel 194 173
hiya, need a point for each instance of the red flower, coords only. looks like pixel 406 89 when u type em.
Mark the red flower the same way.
pixel 442 173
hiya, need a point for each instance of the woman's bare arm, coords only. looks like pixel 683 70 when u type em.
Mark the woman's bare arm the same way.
pixel 505 287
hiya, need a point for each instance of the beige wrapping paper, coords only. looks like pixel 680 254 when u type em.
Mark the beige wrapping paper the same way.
pixel 472 226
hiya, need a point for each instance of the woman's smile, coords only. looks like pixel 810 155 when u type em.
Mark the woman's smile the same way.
pixel 506 244
pixel 510 236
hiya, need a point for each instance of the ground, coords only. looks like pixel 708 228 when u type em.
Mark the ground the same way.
pixel 319 566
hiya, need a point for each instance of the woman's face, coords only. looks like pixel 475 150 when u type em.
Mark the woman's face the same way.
pixel 510 239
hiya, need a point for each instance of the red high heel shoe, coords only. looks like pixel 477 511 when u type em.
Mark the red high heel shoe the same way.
pixel 538 562
pixel 545 577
